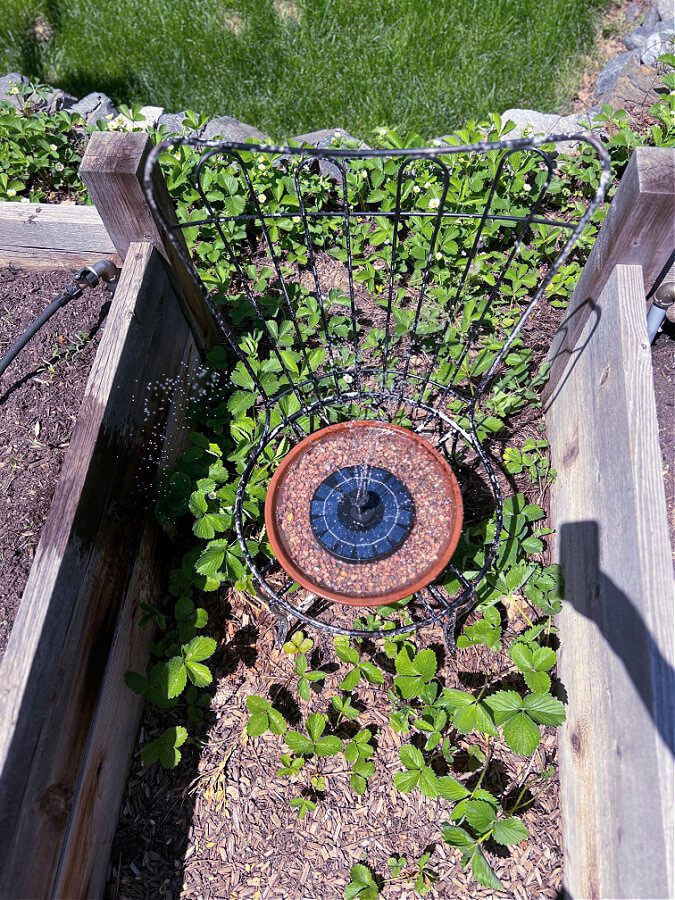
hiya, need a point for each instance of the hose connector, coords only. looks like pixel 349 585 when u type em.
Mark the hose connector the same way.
pixel 103 270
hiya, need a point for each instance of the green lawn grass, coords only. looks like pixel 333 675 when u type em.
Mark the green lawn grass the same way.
pixel 293 65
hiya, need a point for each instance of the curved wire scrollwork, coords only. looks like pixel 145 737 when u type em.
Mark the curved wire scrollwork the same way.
pixel 354 380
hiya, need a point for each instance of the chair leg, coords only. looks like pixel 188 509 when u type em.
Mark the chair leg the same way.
pixel 449 626
pixel 283 625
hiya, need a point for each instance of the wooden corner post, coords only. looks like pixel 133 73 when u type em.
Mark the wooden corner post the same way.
pixel 639 230
pixel 608 508
pixel 112 169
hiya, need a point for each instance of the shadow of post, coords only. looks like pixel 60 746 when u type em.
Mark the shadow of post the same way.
pixel 595 596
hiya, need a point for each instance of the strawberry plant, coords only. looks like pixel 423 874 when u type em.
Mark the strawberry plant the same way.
pixel 452 734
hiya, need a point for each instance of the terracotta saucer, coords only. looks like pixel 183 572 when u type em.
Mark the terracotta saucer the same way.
pixel 364 513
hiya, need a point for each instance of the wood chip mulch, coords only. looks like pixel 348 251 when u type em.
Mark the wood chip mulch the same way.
pixel 220 825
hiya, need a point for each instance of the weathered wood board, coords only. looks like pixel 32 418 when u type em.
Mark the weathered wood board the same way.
pixel 52 236
pixel 639 229
pixel 113 168
pixel 617 628
pixel 68 720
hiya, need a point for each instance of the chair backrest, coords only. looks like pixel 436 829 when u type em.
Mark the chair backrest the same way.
pixel 369 282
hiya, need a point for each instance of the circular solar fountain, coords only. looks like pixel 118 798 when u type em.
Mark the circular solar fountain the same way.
pixel 363 513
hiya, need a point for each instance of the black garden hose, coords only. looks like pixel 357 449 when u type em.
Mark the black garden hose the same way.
pixel 90 276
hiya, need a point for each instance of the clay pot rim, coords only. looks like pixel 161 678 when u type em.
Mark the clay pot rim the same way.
pixel 429 575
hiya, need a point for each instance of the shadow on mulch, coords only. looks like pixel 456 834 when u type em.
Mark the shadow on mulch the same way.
pixel 152 837
pixel 220 825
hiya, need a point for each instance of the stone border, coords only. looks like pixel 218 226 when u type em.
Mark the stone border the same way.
pixel 627 79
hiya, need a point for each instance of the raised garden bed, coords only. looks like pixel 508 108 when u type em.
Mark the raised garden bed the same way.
pixel 51 235
pixel 73 835
pixel 75 631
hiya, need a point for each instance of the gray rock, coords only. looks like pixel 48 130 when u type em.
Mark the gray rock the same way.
pixel 327 137
pixel 635 86
pixel 609 75
pixel 228 129
pixel 49 100
pixel 151 115
pixel 636 39
pixel 324 138
pixel 633 12
pixel 530 122
pixel 57 100
pixel 8 86
pixel 660 41
pixel 665 8
pixel 173 122
pixel 95 107
pixel 651 19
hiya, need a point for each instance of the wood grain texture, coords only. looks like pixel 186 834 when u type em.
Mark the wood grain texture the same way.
pixel 52 235
pixel 617 629
pixel 84 860
pixel 56 706
pixel 112 168
pixel 52 260
pixel 639 229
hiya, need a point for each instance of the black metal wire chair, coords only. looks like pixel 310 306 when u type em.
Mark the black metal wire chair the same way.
pixel 366 309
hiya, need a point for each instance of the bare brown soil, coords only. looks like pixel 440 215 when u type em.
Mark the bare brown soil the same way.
pixel 40 396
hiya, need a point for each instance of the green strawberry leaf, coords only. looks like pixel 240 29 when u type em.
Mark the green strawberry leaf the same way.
pixel 522 734
pixel 411 757
pixel 407 781
pixel 425 663
pixel 428 783
pixel 480 815
pixel 350 680
pixel 545 709
pixel 458 837
pixel 509 831
pixel 316 725
pixel 451 789
pixel 198 649
pixel 539 682
pixel 299 743
pixel 483 871
pixel 277 723
pixel 328 746
pixel 176 676
pixel 198 673
pixel 257 724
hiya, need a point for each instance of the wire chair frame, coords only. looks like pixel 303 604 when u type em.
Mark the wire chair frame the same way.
pixel 354 380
